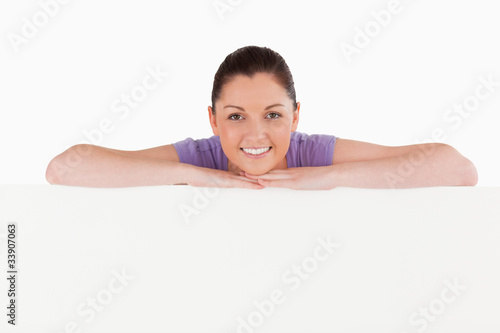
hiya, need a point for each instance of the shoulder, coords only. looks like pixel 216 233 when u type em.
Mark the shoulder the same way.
pixel 189 148
pixel 204 152
pixel 301 137
pixel 202 144
pixel 311 149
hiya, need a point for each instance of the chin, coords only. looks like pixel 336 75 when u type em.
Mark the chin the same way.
pixel 256 171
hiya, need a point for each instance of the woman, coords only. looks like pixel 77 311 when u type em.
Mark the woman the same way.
pixel 254 117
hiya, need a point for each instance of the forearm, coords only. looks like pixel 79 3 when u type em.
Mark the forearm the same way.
pixel 99 167
pixel 441 166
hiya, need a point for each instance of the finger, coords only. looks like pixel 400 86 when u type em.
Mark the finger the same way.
pixel 274 176
pixel 246 179
pixel 276 183
pixel 246 184
pixel 279 171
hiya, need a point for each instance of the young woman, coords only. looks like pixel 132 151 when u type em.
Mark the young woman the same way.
pixel 254 117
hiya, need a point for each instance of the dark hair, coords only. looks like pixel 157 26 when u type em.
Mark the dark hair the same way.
pixel 249 60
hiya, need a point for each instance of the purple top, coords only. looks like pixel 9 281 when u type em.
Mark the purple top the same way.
pixel 306 150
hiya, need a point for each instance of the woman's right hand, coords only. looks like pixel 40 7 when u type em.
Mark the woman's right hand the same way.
pixel 206 177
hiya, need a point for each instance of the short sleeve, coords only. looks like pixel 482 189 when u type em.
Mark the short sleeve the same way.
pixel 308 150
pixel 206 153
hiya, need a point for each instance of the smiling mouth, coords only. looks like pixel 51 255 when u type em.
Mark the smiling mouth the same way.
pixel 256 152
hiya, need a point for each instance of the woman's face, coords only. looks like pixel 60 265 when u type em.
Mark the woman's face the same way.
pixel 254 113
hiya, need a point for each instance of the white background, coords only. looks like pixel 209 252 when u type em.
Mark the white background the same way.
pixel 199 272
pixel 64 79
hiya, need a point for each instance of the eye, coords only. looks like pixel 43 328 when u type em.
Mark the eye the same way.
pixel 277 115
pixel 234 115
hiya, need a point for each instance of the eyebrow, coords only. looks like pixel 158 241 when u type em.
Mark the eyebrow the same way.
pixel 239 107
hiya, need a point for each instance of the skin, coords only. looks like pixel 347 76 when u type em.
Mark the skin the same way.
pixel 254 126
pixel 354 163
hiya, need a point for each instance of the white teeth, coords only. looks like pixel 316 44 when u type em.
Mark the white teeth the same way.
pixel 256 151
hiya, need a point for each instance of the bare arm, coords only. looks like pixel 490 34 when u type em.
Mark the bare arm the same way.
pixel 95 166
pixel 424 165
pixel 366 165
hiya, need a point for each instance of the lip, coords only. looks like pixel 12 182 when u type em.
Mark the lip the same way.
pixel 256 147
pixel 256 156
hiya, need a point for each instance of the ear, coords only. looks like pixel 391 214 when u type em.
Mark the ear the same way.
pixel 295 121
pixel 213 121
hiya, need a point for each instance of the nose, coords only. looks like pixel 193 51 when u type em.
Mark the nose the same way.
pixel 257 129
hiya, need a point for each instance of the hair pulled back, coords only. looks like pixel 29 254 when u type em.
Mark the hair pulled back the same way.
pixel 248 61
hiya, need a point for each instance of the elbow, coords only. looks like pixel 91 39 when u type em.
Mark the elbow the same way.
pixel 464 170
pixel 53 174
pixel 469 174
pixel 50 175
pixel 59 168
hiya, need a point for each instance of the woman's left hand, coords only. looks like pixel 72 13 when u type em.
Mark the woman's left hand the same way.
pixel 302 178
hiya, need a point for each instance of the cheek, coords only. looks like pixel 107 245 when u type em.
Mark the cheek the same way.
pixel 232 138
pixel 227 132
pixel 283 144
pixel 280 125
pixel 281 132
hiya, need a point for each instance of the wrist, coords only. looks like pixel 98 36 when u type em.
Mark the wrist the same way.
pixel 333 176
pixel 184 173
